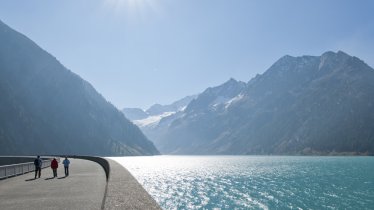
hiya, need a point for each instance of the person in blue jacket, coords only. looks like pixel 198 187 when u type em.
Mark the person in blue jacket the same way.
pixel 66 163
pixel 38 166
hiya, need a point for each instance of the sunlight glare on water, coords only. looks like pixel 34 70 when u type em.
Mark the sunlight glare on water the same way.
pixel 255 182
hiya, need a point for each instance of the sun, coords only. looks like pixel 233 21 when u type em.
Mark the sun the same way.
pixel 134 8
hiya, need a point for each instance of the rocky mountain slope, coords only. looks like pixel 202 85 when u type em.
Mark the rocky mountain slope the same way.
pixel 47 109
pixel 300 105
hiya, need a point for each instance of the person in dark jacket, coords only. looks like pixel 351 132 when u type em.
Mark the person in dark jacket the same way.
pixel 54 166
pixel 38 166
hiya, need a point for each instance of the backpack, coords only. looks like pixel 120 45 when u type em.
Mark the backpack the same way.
pixel 37 162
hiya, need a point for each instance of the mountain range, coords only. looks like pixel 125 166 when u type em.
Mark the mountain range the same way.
pixel 47 109
pixel 300 105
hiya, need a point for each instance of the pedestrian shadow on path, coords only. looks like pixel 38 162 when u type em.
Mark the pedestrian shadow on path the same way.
pixel 63 177
pixel 32 179
pixel 49 178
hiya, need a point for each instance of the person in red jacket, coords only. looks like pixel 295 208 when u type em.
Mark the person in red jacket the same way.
pixel 54 166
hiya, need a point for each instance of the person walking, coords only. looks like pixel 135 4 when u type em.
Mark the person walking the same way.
pixel 66 163
pixel 38 166
pixel 54 166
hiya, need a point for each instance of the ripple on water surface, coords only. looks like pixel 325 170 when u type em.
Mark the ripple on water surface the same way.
pixel 255 182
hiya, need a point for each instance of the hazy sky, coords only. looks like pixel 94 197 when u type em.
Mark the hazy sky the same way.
pixel 140 52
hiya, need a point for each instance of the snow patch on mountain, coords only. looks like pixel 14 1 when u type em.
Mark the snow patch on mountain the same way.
pixel 152 120
pixel 220 100
pixel 233 100
pixel 181 109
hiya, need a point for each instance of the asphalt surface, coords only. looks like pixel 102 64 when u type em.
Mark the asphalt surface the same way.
pixel 84 188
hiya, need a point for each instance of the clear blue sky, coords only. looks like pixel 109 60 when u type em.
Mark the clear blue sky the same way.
pixel 139 52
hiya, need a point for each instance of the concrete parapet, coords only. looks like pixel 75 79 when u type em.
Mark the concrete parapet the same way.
pixel 102 161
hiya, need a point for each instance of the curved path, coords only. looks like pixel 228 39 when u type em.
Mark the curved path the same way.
pixel 83 189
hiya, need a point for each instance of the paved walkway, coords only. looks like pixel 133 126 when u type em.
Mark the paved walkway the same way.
pixel 83 189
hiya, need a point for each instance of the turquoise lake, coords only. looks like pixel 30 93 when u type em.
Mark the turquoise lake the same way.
pixel 256 182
